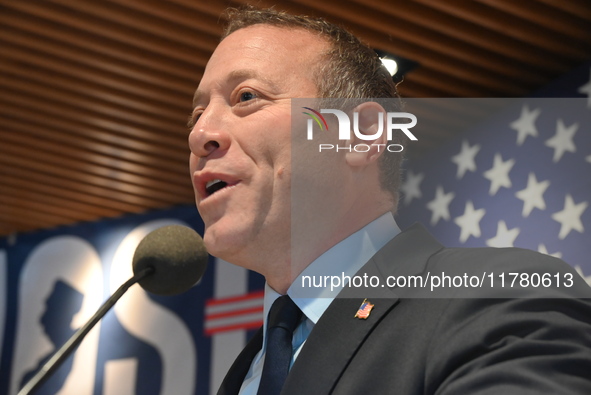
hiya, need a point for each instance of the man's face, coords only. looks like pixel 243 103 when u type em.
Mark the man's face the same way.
pixel 241 136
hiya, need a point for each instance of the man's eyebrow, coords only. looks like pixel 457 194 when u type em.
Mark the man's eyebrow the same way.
pixel 238 75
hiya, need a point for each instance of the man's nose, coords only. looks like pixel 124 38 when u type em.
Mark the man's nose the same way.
pixel 208 135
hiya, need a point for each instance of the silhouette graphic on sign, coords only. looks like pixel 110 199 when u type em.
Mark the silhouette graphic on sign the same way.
pixel 61 306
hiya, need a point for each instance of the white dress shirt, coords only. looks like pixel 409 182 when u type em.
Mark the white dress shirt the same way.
pixel 345 258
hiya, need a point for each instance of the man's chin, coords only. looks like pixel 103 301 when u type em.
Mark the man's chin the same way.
pixel 212 244
pixel 222 245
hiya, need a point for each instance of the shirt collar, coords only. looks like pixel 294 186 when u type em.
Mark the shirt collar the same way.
pixel 343 259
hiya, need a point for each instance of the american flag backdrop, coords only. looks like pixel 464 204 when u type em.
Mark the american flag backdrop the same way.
pixel 520 178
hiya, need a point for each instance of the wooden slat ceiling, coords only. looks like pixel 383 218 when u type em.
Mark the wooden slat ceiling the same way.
pixel 95 95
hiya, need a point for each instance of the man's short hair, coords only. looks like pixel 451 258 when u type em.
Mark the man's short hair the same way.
pixel 351 70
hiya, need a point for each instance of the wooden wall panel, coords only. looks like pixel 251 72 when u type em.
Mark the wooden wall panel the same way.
pixel 95 95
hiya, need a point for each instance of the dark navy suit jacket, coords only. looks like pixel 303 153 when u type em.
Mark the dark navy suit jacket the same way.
pixel 453 341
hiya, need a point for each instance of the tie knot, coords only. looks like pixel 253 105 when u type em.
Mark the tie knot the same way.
pixel 284 313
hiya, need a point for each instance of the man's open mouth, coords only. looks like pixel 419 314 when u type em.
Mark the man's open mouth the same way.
pixel 214 185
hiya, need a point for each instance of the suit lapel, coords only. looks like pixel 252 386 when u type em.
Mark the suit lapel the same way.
pixel 333 342
pixel 235 376
pixel 337 336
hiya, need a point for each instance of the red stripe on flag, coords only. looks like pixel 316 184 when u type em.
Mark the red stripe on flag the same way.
pixel 250 325
pixel 234 313
pixel 248 296
pixel 228 312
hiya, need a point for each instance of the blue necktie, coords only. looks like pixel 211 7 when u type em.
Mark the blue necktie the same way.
pixel 284 317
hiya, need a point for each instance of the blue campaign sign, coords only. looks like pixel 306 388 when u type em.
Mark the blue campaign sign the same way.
pixel 53 281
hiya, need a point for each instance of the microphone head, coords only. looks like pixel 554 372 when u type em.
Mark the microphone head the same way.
pixel 178 256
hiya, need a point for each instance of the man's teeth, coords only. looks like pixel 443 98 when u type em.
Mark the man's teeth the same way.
pixel 210 183
pixel 215 185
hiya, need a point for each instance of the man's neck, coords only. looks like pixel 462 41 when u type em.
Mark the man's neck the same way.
pixel 303 254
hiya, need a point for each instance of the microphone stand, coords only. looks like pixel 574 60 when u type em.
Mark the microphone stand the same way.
pixel 60 355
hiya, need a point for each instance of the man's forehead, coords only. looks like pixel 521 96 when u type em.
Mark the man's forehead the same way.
pixel 269 38
pixel 274 40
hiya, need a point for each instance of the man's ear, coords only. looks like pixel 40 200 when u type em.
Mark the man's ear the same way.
pixel 369 139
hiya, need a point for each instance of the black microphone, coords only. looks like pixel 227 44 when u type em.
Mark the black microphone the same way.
pixel 168 261
pixel 177 255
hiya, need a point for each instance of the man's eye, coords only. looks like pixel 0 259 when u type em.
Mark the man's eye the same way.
pixel 193 119
pixel 246 96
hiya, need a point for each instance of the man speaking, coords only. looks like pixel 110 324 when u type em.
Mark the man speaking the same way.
pixel 272 204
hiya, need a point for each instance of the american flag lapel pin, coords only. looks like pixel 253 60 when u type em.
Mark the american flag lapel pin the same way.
pixel 364 310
